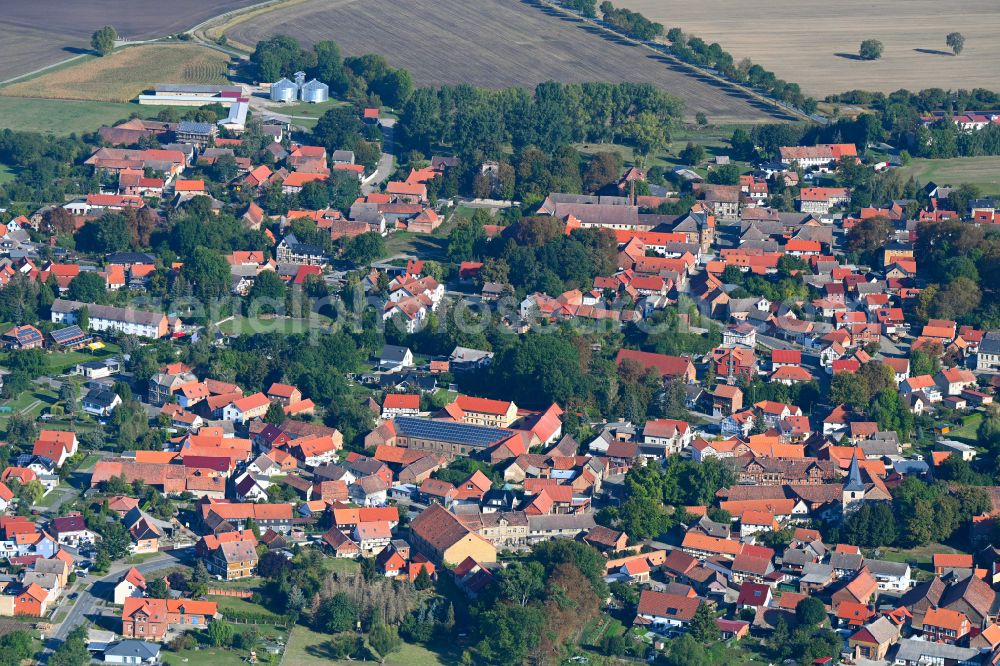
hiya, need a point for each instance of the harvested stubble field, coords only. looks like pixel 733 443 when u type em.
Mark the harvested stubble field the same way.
pixel 37 33
pixel 815 44
pixel 492 43
pixel 121 76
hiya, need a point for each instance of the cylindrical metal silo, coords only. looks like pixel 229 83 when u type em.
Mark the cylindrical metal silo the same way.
pixel 315 92
pixel 284 91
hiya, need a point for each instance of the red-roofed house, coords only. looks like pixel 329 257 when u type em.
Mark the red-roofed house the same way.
pixel 56 445
pixel 400 404
pixel 660 610
pixel 132 584
pixel 243 410
pixel 667 366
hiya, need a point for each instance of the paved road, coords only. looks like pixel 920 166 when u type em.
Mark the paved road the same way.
pixel 86 604
pixel 386 163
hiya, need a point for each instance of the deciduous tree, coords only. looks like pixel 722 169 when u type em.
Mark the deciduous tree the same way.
pixel 103 40
pixel 871 49
pixel 955 41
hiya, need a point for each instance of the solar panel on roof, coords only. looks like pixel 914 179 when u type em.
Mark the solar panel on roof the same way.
pixel 70 333
pixel 448 431
pixel 27 334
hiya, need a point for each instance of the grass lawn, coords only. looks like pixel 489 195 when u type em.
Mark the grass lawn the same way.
pixel 240 325
pixel 300 109
pixel 967 433
pixel 140 558
pixel 237 605
pixel 59 362
pixel 921 555
pixel 212 656
pixel 981 171
pixel 746 651
pixel 51 497
pixel 126 73
pixel 427 246
pixel 715 143
pixel 341 565
pixel 88 462
pixel 30 403
pixel 63 116
pixel 6 173
pixel 307 647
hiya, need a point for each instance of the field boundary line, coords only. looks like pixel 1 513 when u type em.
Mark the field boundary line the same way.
pixel 721 82
pixel 208 32
pixel 41 70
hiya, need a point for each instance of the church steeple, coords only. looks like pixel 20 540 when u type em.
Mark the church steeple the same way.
pixel 853 493
pixel 854 482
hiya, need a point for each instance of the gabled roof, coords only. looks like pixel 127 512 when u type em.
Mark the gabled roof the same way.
pixel 133 576
pixel 662 604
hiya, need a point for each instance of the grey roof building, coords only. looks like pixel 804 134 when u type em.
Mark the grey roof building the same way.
pixel 911 652
pixel 132 652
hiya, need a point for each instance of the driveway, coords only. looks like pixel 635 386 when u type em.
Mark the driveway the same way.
pixel 386 163
pixel 100 589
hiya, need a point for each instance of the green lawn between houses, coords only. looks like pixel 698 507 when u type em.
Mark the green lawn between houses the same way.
pixel 307 648
pixel 967 433
pixel 205 655
pixel 240 325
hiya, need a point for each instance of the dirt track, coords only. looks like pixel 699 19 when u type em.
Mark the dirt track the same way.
pixel 41 32
pixel 492 43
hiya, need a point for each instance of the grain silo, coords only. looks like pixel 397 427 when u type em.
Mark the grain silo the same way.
pixel 314 92
pixel 284 91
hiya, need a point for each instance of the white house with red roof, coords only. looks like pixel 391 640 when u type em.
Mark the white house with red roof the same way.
pixel 952 381
pixel 56 445
pixel 661 611
pixel 132 584
pixel 400 404
pixel 247 408
pixel 670 435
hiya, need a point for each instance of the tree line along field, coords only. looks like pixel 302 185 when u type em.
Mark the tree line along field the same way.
pixel 44 32
pixel 494 44
pixel 815 44
pixel 124 74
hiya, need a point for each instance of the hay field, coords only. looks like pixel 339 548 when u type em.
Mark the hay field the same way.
pixel 125 73
pixel 491 43
pixel 981 171
pixel 813 43
pixel 37 33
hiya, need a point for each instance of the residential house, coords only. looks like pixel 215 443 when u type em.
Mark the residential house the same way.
pixel 234 560
pixel 443 538
pixel 873 640
pixel 132 584
pixel 149 619
pixel 942 625
pixel 662 612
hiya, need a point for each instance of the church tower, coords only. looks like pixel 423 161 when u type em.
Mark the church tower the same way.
pixel 853 493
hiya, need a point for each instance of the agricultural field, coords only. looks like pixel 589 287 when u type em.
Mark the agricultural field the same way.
pixel 62 117
pixel 981 171
pixel 491 43
pixel 816 44
pixel 124 74
pixel 44 32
